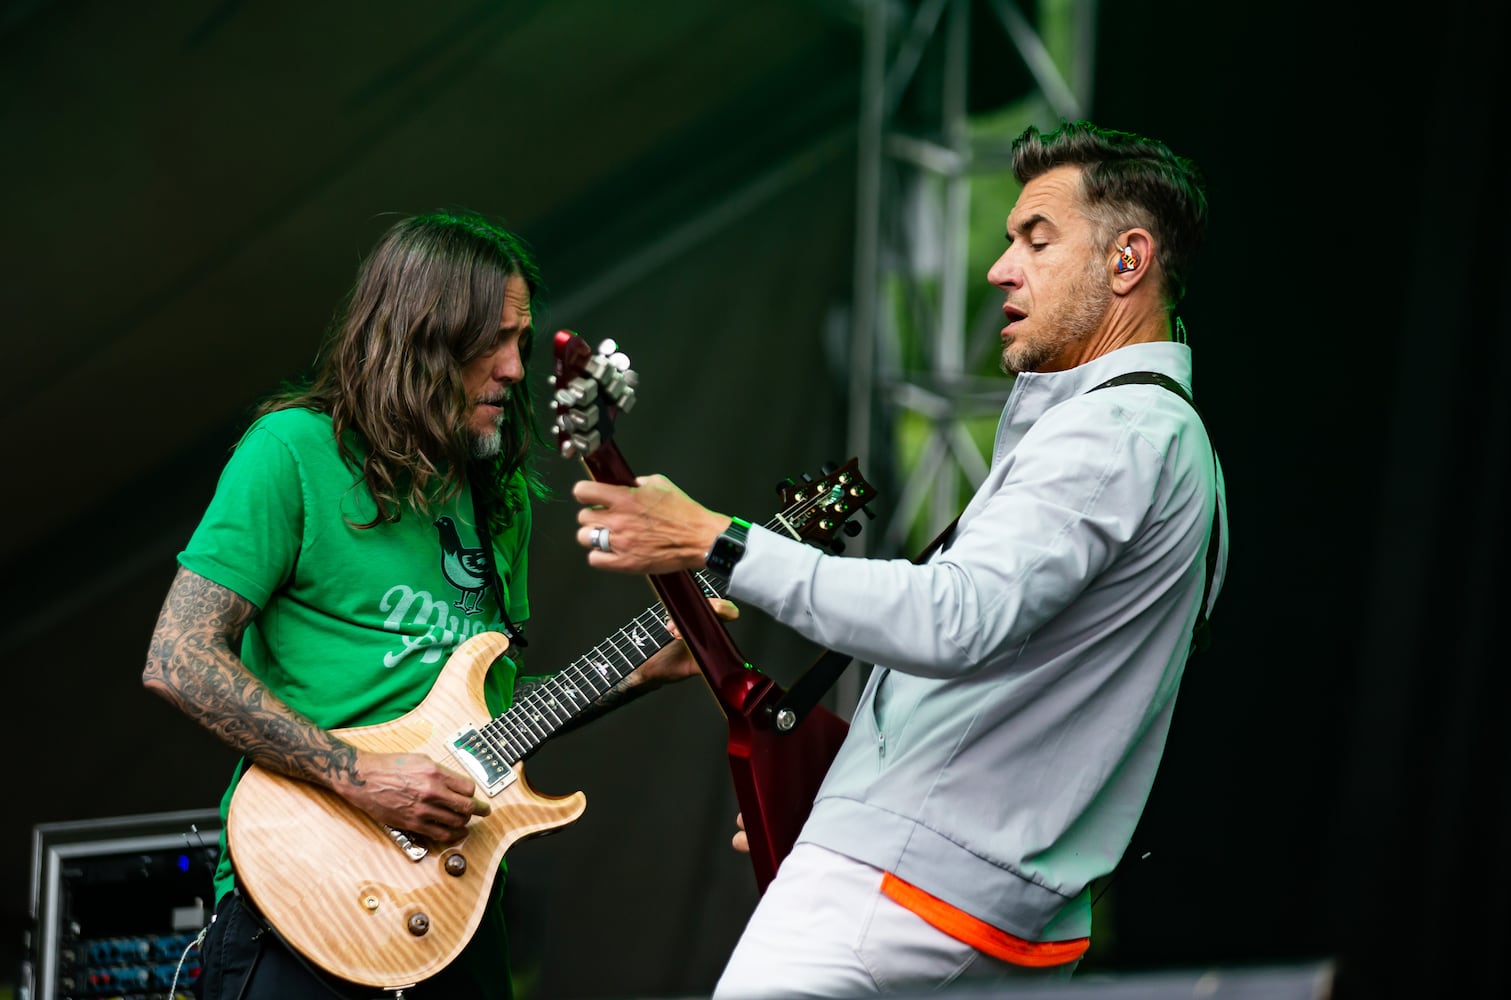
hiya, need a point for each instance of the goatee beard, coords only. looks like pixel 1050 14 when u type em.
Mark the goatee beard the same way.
pixel 487 444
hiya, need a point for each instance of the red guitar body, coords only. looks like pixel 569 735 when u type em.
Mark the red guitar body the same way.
pixel 776 773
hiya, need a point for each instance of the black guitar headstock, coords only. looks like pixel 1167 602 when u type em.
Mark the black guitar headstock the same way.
pixel 818 510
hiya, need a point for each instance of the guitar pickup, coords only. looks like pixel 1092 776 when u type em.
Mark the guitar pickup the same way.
pixel 483 760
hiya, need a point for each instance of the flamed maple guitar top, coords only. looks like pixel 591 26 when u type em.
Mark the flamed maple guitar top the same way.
pixel 341 890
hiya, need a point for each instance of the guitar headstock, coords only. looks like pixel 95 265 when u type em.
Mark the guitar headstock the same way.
pixel 589 391
pixel 817 510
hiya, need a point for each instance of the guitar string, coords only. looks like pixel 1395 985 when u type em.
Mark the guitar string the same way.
pixel 539 699
pixel 530 708
pixel 608 651
pixel 540 706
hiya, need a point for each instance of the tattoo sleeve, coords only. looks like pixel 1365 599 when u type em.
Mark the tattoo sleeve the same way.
pixel 193 664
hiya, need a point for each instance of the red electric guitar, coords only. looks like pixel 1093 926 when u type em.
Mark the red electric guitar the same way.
pixel 777 765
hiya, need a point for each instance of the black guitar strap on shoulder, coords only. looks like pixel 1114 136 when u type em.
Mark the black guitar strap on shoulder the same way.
pixel 810 687
pixel 1201 635
pixel 485 539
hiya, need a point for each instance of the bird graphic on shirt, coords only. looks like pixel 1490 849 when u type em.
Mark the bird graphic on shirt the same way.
pixel 466 569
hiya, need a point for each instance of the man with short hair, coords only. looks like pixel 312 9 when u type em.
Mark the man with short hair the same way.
pixel 1007 740
pixel 344 557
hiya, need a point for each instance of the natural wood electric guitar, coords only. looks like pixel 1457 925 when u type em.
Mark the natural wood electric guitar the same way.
pixel 385 908
pixel 777 759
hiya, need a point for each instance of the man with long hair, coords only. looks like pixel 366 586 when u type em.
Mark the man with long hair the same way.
pixel 368 523
pixel 1006 743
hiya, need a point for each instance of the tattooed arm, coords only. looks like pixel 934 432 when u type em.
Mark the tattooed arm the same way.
pixel 193 664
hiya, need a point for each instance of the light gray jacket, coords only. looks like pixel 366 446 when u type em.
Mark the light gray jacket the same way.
pixel 1007 741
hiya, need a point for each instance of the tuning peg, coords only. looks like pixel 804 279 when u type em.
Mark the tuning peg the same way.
pixel 785 485
pixel 578 392
pixel 851 528
pixel 807 478
pixel 607 347
pixel 827 468
pixel 869 512
pixel 837 547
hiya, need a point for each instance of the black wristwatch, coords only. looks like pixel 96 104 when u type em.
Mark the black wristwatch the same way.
pixel 728 548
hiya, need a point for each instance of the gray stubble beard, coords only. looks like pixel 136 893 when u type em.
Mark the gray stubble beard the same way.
pixel 1088 302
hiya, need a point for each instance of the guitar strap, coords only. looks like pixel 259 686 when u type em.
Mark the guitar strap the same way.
pixel 810 687
pixel 1201 635
pixel 485 539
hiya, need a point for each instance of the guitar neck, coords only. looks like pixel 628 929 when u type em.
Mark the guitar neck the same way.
pixel 722 663
pixel 561 698
pixel 777 758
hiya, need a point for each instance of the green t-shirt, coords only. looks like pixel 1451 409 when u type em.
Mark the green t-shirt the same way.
pixel 354 625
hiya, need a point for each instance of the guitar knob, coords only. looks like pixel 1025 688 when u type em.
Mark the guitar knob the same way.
pixel 418 924
pixel 456 864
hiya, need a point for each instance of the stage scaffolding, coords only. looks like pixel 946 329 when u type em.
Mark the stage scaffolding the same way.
pixel 917 356
pixel 914 355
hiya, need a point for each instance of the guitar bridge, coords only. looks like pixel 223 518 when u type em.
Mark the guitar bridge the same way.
pixel 412 848
pixel 482 760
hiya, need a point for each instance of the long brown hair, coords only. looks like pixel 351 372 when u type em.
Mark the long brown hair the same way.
pixel 426 301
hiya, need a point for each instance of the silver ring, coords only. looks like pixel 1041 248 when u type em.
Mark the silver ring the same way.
pixel 599 539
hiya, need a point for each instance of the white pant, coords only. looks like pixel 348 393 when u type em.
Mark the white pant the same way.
pixel 824 929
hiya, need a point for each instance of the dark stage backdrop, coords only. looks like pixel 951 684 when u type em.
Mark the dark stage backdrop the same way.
pixel 1335 781
pixel 642 896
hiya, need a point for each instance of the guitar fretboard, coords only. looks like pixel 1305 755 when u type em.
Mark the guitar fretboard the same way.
pixel 558 700
pixel 544 711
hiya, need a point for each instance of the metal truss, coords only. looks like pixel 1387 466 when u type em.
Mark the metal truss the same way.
pixel 913 207
pixel 910 281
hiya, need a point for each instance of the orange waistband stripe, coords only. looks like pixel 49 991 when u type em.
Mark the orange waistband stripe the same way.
pixel 978 933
